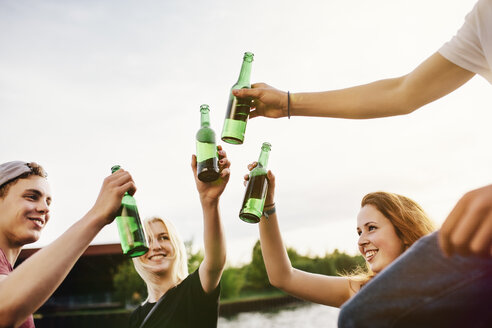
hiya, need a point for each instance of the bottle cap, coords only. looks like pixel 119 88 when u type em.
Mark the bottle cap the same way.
pixel 204 107
pixel 266 146
pixel 115 168
pixel 248 56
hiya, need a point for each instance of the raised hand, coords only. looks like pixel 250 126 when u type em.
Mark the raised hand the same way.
pixel 211 191
pixel 270 198
pixel 109 200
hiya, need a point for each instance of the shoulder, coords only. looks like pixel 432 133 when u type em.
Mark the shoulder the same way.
pixel 193 285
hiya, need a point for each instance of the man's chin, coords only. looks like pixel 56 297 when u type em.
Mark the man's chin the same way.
pixel 32 238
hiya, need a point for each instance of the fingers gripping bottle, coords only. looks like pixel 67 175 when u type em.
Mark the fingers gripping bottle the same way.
pixel 132 236
pixel 254 197
pixel 238 109
pixel 206 150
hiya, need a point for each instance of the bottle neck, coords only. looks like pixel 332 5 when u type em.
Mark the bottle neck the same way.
pixel 245 74
pixel 263 160
pixel 205 119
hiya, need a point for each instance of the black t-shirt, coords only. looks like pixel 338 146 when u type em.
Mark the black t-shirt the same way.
pixel 184 306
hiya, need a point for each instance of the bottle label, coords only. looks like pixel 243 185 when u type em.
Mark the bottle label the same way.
pixel 130 230
pixel 205 151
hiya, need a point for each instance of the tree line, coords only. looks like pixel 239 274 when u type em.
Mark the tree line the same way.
pixel 248 279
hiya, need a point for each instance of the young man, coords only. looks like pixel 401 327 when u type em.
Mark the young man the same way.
pixel 25 198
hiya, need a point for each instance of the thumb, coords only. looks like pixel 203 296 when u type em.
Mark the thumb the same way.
pixel 193 164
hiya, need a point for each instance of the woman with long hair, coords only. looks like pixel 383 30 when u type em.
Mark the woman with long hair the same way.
pixel 387 224
pixel 175 298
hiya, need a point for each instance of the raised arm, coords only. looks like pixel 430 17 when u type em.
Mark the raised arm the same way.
pixel 31 284
pixel 431 80
pixel 214 259
pixel 332 291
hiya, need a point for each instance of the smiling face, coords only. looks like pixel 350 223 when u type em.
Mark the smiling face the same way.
pixel 160 257
pixel 378 241
pixel 24 211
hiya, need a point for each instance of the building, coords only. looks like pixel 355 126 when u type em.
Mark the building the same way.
pixel 89 285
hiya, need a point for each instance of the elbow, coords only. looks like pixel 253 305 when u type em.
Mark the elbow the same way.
pixel 408 97
pixel 279 280
pixel 276 283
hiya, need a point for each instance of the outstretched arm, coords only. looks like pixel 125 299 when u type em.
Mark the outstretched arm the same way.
pixel 213 263
pixel 332 291
pixel 31 284
pixel 431 80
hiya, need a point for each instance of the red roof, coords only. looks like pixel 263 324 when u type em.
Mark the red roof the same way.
pixel 102 249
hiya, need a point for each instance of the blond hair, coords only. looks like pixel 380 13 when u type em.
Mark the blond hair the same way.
pixel 179 269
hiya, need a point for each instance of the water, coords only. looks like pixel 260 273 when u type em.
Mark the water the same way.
pixel 299 316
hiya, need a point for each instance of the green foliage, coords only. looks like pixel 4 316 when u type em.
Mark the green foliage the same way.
pixel 238 281
pixel 256 275
pixel 194 258
pixel 129 287
pixel 232 282
pixel 344 263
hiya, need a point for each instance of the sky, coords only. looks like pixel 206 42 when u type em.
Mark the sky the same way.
pixel 85 85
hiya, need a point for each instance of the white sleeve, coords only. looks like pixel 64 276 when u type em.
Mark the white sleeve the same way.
pixel 471 47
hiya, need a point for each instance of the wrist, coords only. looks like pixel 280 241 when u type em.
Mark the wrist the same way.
pixel 268 210
pixel 96 220
pixel 209 201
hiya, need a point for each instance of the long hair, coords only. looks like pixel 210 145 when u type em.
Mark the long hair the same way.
pixel 407 217
pixel 179 268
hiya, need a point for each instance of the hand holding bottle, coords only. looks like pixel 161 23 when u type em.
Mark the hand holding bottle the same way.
pixel 267 101
pixel 270 196
pixel 109 200
pixel 211 191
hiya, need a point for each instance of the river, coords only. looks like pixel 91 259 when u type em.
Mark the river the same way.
pixel 306 315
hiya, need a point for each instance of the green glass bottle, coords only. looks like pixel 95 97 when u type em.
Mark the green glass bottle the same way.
pixel 206 150
pixel 238 109
pixel 132 236
pixel 254 197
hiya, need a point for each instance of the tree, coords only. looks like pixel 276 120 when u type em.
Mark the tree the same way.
pixel 194 258
pixel 129 287
pixel 256 275
pixel 232 282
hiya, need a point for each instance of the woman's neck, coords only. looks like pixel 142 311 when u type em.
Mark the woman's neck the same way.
pixel 158 290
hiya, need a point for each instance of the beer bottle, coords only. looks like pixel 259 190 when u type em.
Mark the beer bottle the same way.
pixel 132 236
pixel 206 151
pixel 238 109
pixel 254 197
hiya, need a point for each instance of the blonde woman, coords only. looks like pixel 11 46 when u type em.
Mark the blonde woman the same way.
pixel 175 298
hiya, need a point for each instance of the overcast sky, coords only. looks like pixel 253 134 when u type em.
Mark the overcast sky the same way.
pixel 88 84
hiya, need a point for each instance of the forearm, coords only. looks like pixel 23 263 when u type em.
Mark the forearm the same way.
pixel 213 237
pixel 277 263
pixel 377 99
pixel 431 80
pixel 32 283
